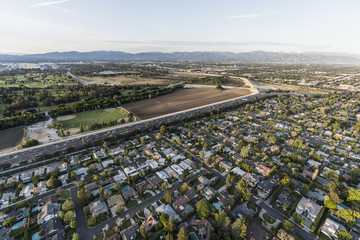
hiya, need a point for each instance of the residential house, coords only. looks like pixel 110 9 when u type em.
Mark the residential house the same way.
pixel 74 160
pixel 263 170
pixel 63 167
pixel 330 227
pixel 131 171
pixel 130 232
pixel 26 176
pixel 150 222
pixel 48 212
pixel 238 171
pixel 112 201
pixel 97 206
pixel 204 180
pixel 27 190
pixel 127 191
pixel 168 210
pixel 225 165
pixel 63 178
pixel 99 154
pixel 251 179
pixel 308 208
pixel 90 187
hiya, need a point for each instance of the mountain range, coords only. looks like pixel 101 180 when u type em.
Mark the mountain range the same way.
pixel 246 57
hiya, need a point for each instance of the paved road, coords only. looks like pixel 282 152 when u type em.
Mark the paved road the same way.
pixel 87 233
pixel 281 217
pixel 41 197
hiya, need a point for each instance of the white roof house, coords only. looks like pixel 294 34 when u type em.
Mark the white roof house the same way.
pixel 107 163
pixel 184 165
pixel 177 169
pixel 238 171
pixel 153 164
pixel 168 210
pixel 330 228
pixel 170 172
pixel 309 208
pixel 26 176
pixel 130 171
pixel 162 175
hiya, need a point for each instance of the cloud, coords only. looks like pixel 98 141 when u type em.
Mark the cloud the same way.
pixel 246 16
pixel 42 4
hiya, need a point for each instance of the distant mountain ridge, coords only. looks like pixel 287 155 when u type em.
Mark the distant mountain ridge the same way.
pixel 246 57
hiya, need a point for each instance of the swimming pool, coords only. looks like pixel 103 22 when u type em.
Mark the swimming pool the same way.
pixel 26 213
pixel 18 225
pixel 320 197
pixel 96 191
pixel 188 208
pixel 217 206
pixel 36 236
pixel 193 236
pixel 110 187
pixel 35 209
pixel 125 187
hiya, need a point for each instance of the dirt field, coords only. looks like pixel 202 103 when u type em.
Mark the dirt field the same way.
pixel 11 137
pixel 123 80
pixel 181 100
pixel 66 117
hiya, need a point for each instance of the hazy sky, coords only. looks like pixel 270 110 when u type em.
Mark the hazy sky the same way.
pixel 37 26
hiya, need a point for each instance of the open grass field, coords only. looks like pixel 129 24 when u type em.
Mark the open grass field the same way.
pixel 96 116
pixel 181 100
pixel 36 81
pixel 124 80
pixel 11 137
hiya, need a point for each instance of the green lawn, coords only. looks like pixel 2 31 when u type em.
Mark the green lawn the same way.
pixel 267 217
pixel 96 116
pixel 147 195
pixel 64 194
pixel 131 203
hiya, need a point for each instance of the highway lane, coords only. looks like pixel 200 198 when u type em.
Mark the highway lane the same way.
pixel 79 139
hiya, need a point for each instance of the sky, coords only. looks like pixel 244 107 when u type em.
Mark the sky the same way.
pixel 39 26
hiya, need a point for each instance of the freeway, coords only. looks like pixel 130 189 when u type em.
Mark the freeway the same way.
pixel 78 140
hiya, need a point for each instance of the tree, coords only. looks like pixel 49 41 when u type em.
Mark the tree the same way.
pixel 75 236
pixel 171 226
pixel 242 191
pixel 81 127
pixel 218 85
pixel 69 216
pixel 288 226
pixel 202 155
pixel 304 189
pixel 184 188
pixel 331 205
pixel 228 181
pixel 244 152
pixel 297 218
pixel 167 196
pixel 348 215
pixel 163 129
pixel 343 235
pixel 82 197
pixel 73 223
pixel 68 205
pixel 285 181
pixel 203 209
pixel 222 221
pixel 239 228
pixel 182 235
pixel 9 221
pixel 283 235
